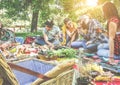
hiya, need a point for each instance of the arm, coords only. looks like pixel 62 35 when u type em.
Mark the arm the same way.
pixel 64 35
pixel 46 40
pixel 58 33
pixel 74 34
pixel 75 29
pixel 112 31
pixel 68 33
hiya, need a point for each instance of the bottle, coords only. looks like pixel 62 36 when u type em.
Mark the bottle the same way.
pixel 33 44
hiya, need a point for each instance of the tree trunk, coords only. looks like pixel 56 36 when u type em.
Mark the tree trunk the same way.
pixel 34 21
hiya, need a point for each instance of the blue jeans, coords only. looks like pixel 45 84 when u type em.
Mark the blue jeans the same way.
pixel 78 44
pixel 41 41
pixel 103 50
pixel 103 46
pixel 89 48
pixel 105 53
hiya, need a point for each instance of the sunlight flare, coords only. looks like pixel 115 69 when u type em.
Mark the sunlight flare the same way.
pixel 91 2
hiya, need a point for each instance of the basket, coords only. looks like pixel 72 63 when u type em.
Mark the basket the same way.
pixel 34 65
pixel 84 81
pixel 61 74
pixel 6 73
pixel 14 77
pixel 64 78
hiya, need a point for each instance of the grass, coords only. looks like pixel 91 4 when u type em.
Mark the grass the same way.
pixel 24 34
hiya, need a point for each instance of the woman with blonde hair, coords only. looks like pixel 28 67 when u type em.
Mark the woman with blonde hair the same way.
pixel 69 31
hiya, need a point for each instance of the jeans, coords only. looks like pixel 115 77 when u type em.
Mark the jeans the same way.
pixel 41 41
pixel 103 50
pixel 78 44
pixel 103 46
pixel 103 53
pixel 88 48
pixel 91 48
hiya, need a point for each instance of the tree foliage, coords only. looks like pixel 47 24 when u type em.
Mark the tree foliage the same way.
pixel 20 9
pixel 38 11
pixel 15 9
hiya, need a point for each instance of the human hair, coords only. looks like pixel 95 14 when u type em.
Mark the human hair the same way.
pixel 49 24
pixel 85 25
pixel 82 20
pixel 83 17
pixel 109 10
pixel 66 20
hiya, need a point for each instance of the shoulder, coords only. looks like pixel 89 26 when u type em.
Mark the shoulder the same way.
pixel 95 21
pixel 56 27
pixel 44 29
pixel 115 20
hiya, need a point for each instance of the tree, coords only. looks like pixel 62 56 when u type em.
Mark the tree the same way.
pixel 14 10
pixel 42 7
pixel 19 9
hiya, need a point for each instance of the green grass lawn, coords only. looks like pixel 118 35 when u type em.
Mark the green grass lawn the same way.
pixel 24 35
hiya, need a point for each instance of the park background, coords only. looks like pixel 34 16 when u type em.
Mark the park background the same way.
pixel 27 17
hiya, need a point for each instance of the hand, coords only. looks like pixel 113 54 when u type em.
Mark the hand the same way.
pixel 89 42
pixel 63 43
pixel 111 59
pixel 73 32
pixel 51 46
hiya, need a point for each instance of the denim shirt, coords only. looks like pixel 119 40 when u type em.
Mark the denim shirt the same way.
pixel 52 33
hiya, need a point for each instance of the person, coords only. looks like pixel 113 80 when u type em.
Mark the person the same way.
pixel 113 26
pixel 1 32
pixel 69 31
pixel 4 43
pixel 6 35
pixel 91 31
pixel 51 35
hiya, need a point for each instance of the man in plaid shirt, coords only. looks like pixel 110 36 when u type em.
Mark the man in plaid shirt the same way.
pixel 94 35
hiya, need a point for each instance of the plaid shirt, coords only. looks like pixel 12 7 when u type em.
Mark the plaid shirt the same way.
pixel 117 45
pixel 92 34
pixel 100 37
pixel 93 25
